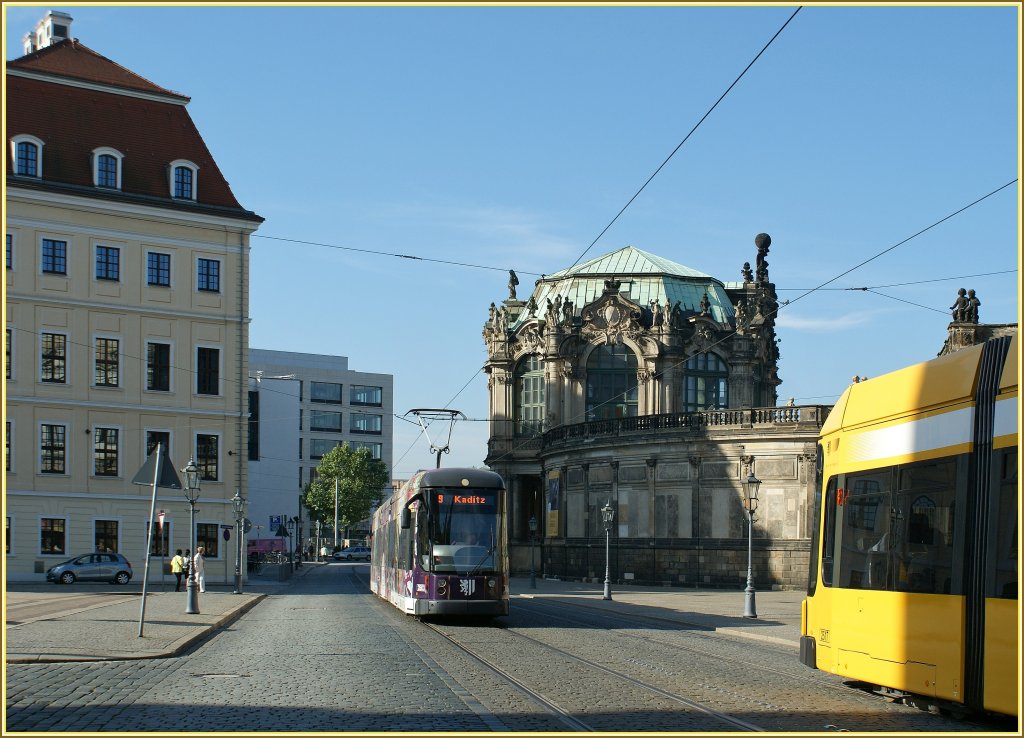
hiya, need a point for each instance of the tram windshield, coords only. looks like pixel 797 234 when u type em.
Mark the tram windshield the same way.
pixel 462 532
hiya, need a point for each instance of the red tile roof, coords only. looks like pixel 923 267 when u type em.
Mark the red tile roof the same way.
pixel 71 59
pixel 72 121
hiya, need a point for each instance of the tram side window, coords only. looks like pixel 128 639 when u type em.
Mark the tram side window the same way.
pixel 423 537
pixel 828 548
pixel 922 546
pixel 1005 471
pixel 404 549
pixel 864 535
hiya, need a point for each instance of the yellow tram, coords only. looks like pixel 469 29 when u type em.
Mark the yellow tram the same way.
pixel 913 576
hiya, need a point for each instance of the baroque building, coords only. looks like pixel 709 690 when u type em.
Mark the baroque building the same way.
pixel 126 310
pixel 639 382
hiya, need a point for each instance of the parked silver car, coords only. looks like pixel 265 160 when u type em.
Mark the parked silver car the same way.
pixel 352 553
pixel 93 567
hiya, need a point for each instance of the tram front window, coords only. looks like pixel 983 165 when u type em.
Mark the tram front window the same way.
pixel 464 531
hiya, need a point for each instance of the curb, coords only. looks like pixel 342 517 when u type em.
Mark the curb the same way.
pixel 181 645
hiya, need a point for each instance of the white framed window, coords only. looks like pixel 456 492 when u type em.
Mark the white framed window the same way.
pixel 106 361
pixel 8 537
pixel 106 167
pixel 10 251
pixel 53 357
pixel 207 456
pixel 159 360
pixel 207 274
pixel 9 447
pixel 183 179
pixel 106 534
pixel 106 451
pixel 154 436
pixel 53 256
pixel 27 156
pixel 53 448
pixel 158 269
pixel 208 370
pixel 53 536
pixel 9 363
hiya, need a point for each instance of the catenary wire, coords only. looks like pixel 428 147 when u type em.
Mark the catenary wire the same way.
pixel 686 138
pixel 729 334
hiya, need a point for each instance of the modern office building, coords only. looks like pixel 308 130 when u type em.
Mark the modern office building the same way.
pixel 126 313
pixel 335 405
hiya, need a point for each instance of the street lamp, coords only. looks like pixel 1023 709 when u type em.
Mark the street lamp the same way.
pixel 291 542
pixel 238 503
pixel 750 487
pixel 607 515
pixel 297 542
pixel 191 472
pixel 533 539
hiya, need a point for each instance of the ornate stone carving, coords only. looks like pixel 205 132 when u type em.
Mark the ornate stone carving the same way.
pixel 612 317
pixel 702 339
pixel 644 375
pixel 763 241
pixel 748 275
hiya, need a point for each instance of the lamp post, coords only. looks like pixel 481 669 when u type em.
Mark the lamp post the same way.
pixel 297 542
pixel 607 515
pixel 191 472
pixel 291 547
pixel 533 540
pixel 750 486
pixel 238 503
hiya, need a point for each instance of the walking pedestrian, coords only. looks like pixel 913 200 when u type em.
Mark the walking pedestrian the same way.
pixel 186 565
pixel 177 568
pixel 199 563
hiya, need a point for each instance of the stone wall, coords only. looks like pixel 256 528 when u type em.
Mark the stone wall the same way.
pixel 709 564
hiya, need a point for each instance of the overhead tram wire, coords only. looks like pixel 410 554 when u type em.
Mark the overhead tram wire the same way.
pixel 830 281
pixel 388 253
pixel 686 138
pixel 656 171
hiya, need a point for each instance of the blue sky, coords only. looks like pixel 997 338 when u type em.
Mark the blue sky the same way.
pixel 509 137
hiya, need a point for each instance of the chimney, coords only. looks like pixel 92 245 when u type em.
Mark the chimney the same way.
pixel 52 29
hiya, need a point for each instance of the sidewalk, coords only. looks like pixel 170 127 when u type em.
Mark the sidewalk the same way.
pixel 719 610
pixel 102 632
pixel 111 631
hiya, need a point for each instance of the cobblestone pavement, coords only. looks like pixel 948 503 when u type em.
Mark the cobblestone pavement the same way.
pixel 324 655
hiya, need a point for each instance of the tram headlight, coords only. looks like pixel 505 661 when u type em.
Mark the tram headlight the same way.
pixel 442 586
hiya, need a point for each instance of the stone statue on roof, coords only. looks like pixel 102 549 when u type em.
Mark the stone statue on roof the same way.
pixel 567 311
pixel 705 305
pixel 531 306
pixel 513 280
pixel 973 303
pixel 959 306
pixel 748 275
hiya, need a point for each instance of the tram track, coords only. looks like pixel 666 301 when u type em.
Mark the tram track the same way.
pixel 547 668
pixel 663 625
pixel 566 715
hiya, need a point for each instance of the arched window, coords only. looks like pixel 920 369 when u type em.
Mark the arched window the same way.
pixel 106 171
pixel 611 383
pixel 529 396
pixel 183 179
pixel 706 385
pixel 28 156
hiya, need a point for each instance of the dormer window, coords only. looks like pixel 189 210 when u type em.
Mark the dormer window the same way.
pixel 183 180
pixel 106 168
pixel 27 152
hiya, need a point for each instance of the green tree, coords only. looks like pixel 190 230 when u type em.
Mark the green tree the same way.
pixel 362 481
